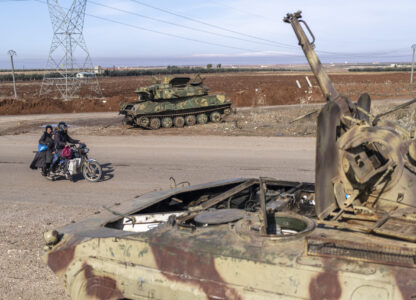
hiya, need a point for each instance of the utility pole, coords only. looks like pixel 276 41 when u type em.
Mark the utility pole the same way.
pixel 13 53
pixel 413 63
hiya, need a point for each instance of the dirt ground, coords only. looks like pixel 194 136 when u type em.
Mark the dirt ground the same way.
pixel 244 89
pixel 258 121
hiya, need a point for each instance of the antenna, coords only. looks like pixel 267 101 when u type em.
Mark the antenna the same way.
pixel 13 53
pixel 69 64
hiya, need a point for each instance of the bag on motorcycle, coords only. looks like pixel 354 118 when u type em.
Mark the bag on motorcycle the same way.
pixel 66 152
pixel 73 165
pixel 42 148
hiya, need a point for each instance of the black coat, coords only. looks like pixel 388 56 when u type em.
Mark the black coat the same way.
pixel 61 138
pixel 45 157
pixel 46 139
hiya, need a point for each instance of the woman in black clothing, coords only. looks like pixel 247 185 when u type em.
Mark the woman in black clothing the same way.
pixel 43 159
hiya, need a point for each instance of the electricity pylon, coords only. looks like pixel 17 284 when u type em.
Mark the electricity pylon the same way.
pixel 69 65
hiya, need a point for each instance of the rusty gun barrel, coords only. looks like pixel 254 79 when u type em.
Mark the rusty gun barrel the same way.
pixel 328 89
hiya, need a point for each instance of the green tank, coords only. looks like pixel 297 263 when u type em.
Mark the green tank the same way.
pixel 175 102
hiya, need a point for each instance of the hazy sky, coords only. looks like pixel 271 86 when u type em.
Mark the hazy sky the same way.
pixel 372 30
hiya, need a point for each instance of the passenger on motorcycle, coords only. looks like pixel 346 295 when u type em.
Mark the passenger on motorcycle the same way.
pixel 43 157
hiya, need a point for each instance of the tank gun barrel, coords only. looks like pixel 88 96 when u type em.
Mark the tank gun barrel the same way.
pixel 327 88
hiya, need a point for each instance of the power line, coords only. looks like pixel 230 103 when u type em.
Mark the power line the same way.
pixel 169 34
pixel 241 10
pixel 180 25
pixel 161 32
pixel 330 55
pixel 212 25
pixel 283 45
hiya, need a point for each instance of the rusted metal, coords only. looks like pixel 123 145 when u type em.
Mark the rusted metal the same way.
pixel 326 158
pixel 219 216
pixel 328 89
pixel 100 287
pixel 263 211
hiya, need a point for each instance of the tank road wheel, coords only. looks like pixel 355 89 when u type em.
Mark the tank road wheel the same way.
pixel 154 123
pixel 190 120
pixel 215 117
pixel 167 122
pixel 179 121
pixel 143 121
pixel 202 118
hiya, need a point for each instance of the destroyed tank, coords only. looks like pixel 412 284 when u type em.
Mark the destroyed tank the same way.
pixel 175 102
pixel 351 235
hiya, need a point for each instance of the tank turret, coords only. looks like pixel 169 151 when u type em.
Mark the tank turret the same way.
pixel 365 173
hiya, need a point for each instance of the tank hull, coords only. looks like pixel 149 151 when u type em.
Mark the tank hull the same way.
pixel 136 112
pixel 97 259
pixel 141 113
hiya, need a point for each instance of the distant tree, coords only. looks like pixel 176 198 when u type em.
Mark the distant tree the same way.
pixel 219 66
pixel 209 66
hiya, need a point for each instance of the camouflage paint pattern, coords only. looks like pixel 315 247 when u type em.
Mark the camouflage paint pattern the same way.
pixel 193 103
pixel 176 97
pixel 227 261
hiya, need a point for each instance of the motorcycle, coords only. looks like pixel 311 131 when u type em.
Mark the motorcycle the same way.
pixel 79 163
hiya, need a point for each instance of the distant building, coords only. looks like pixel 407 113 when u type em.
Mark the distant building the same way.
pixel 84 74
pixel 98 70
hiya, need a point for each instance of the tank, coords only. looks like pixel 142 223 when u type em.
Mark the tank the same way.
pixel 350 235
pixel 175 102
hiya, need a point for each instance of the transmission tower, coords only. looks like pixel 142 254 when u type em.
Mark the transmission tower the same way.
pixel 69 66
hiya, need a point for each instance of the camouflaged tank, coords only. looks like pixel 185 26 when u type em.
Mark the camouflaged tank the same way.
pixel 175 102
pixel 351 235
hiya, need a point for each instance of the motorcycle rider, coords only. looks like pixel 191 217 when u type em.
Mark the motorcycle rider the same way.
pixel 61 140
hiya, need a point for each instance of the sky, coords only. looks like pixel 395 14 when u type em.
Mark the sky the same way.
pixel 185 32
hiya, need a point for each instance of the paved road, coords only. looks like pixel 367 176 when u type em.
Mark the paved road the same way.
pixel 136 165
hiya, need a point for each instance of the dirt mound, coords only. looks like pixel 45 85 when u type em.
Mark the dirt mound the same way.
pixel 40 106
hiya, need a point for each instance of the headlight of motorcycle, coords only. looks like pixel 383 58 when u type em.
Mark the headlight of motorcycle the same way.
pixel 85 150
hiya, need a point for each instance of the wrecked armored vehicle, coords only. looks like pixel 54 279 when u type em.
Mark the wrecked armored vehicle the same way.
pixel 351 235
pixel 175 102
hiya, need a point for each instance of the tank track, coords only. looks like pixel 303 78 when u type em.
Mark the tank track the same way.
pixel 179 114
